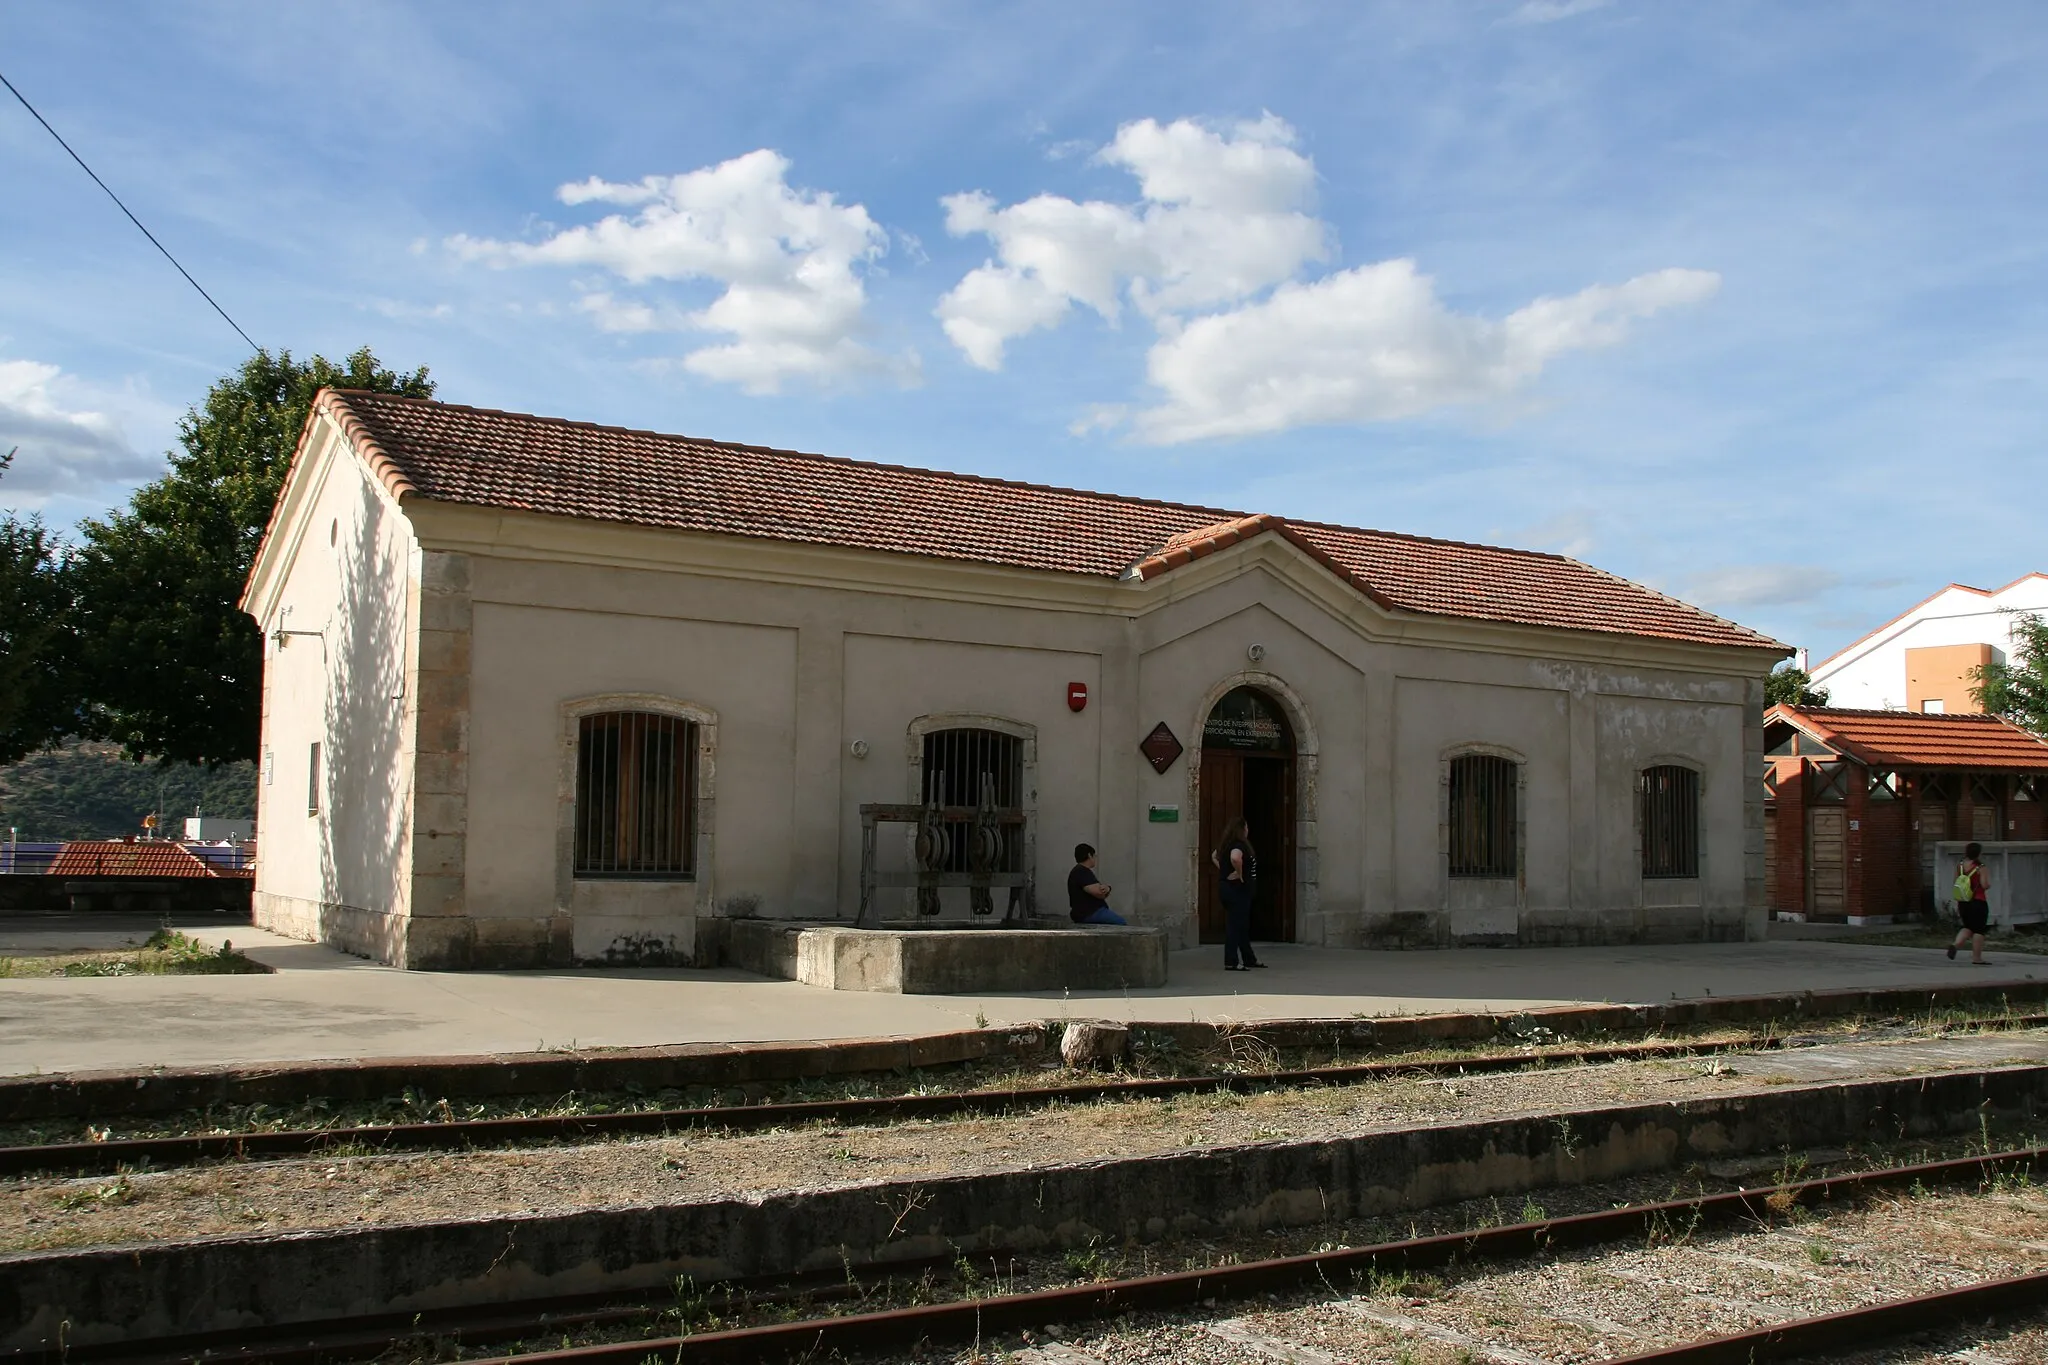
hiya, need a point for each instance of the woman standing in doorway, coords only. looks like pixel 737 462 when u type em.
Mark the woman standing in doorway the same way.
pixel 1237 873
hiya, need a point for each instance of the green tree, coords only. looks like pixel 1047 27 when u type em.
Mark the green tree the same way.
pixel 1789 686
pixel 172 668
pixel 2018 690
pixel 36 706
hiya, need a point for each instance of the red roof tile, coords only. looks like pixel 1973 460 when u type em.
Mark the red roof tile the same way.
pixel 1914 739
pixel 447 453
pixel 118 858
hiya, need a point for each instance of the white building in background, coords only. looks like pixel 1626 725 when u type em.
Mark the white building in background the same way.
pixel 1921 660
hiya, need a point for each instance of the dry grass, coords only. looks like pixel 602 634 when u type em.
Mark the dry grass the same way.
pixel 164 953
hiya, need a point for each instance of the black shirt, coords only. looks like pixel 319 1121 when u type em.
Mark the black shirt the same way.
pixel 1080 905
pixel 1251 866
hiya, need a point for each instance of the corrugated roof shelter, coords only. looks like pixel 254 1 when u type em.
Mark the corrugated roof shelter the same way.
pixel 540 691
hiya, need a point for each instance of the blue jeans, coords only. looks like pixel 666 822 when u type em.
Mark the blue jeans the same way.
pixel 1104 915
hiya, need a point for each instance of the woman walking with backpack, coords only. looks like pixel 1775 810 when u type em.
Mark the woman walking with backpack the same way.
pixel 1972 893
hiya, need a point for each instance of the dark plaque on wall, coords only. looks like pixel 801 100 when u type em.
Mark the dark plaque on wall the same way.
pixel 1160 748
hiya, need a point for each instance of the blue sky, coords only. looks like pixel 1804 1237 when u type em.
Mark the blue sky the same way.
pixel 1742 301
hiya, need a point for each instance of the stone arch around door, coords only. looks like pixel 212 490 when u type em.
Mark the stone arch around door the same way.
pixel 1308 924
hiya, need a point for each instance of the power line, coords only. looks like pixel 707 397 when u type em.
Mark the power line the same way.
pixel 124 208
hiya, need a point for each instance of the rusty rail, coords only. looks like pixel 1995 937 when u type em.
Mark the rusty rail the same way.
pixel 1825 1337
pixel 86 1158
pixel 163 1152
pixel 979 1319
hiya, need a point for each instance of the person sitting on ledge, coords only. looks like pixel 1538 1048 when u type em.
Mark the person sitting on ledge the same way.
pixel 1087 898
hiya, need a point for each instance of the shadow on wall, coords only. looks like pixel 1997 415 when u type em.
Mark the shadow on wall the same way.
pixel 364 819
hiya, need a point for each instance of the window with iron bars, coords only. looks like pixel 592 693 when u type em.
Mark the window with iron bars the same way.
pixel 1671 822
pixel 636 797
pixel 955 762
pixel 1483 815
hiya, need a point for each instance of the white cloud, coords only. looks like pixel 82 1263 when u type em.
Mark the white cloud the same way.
pixel 789 261
pixel 1375 344
pixel 1550 11
pixel 1222 215
pixel 1211 255
pixel 1760 585
pixel 67 445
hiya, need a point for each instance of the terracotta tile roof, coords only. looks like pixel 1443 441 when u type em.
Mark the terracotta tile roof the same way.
pixel 447 453
pixel 118 858
pixel 1913 739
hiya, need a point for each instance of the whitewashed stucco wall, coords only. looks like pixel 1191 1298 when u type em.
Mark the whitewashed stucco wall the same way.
pixel 799 652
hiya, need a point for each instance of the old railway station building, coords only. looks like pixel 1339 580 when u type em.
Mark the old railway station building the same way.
pixel 538 692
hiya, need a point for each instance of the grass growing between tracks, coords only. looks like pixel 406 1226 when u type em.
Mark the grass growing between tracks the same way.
pixel 1235 1052
pixel 164 953
pixel 1456 1293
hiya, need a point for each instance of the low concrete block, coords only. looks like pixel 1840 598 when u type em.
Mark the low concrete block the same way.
pixel 968 960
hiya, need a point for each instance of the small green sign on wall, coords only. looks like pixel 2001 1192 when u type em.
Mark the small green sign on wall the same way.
pixel 1165 815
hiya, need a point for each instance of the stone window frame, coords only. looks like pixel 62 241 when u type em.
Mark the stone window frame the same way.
pixel 705 719
pixel 1023 731
pixel 1699 770
pixel 1308 894
pixel 1481 749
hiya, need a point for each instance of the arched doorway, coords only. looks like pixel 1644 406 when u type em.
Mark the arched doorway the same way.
pixel 1248 759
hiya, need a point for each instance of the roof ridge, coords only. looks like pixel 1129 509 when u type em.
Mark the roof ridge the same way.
pixel 1221 514
pixel 1964 716
pixel 465 454
pixel 1419 539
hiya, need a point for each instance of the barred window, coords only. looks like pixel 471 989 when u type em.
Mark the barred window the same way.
pixel 1483 816
pixel 636 796
pixel 1671 822
pixel 955 763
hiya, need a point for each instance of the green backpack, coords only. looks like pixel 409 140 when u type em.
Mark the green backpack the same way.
pixel 1965 888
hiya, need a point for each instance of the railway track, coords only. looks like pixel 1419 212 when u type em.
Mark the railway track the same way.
pixel 157 1153
pixel 1347 1285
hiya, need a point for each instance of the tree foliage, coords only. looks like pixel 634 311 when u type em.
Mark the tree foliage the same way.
pixel 84 790
pixel 35 596
pixel 172 668
pixel 2018 689
pixel 1789 686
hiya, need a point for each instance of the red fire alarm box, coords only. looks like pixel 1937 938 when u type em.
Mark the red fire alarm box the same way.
pixel 1077 696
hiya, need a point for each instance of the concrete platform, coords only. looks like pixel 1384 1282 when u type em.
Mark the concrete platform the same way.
pixel 966 959
pixel 322 1004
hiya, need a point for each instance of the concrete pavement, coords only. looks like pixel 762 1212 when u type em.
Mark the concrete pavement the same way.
pixel 321 1004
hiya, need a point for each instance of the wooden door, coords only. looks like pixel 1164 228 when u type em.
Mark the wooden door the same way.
pixel 1771 857
pixel 1221 796
pixel 1827 885
pixel 1933 821
pixel 1269 805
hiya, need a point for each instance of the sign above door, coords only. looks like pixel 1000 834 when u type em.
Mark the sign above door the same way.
pixel 1246 718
